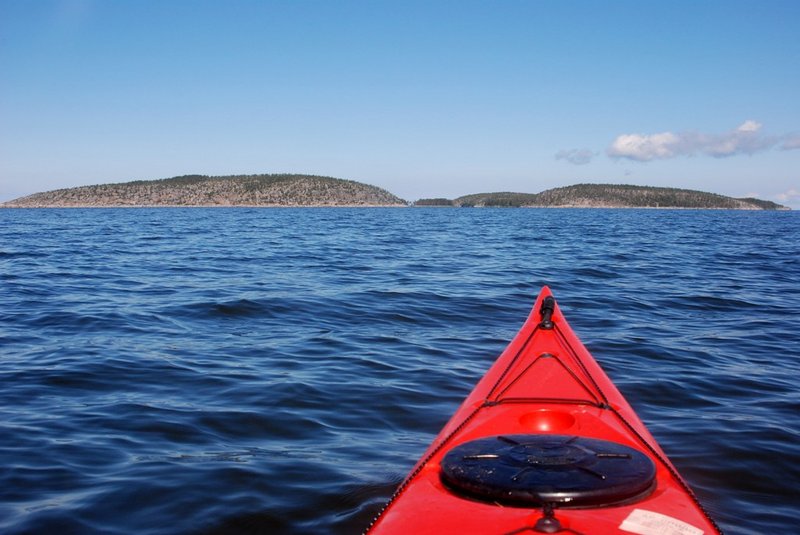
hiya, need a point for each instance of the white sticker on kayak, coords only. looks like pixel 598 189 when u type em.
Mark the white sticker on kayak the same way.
pixel 651 523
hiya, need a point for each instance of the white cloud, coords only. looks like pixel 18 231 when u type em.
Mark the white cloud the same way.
pixel 749 126
pixel 789 195
pixel 744 139
pixel 644 147
pixel 791 142
pixel 576 156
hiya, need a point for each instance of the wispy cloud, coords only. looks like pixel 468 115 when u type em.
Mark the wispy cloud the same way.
pixel 791 142
pixel 576 156
pixel 745 139
pixel 790 196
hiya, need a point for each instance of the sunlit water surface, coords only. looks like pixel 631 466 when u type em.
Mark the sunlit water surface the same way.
pixel 280 370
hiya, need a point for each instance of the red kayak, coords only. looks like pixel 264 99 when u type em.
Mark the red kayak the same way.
pixel 545 443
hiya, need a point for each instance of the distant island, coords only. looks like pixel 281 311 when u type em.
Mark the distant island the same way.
pixel 607 196
pixel 201 190
pixel 312 190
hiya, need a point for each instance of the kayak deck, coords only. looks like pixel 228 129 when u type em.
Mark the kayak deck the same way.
pixel 544 443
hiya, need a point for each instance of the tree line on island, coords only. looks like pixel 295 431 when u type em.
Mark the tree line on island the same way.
pixel 313 190
pixel 606 196
pixel 234 190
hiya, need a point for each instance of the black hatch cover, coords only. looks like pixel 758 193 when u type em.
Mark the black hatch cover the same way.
pixel 533 470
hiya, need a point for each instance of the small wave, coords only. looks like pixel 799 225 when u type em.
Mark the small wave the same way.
pixel 279 371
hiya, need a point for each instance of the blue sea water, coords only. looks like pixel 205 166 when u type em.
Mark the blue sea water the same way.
pixel 280 370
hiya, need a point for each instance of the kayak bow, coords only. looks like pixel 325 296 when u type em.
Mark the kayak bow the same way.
pixel 545 443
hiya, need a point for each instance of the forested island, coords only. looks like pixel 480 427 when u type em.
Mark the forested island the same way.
pixel 201 190
pixel 312 190
pixel 606 196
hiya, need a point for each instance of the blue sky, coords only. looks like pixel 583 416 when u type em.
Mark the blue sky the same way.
pixel 422 98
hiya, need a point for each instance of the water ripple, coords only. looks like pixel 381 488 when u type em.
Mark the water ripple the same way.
pixel 279 371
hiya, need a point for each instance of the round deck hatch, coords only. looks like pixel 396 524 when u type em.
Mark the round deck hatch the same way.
pixel 532 470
